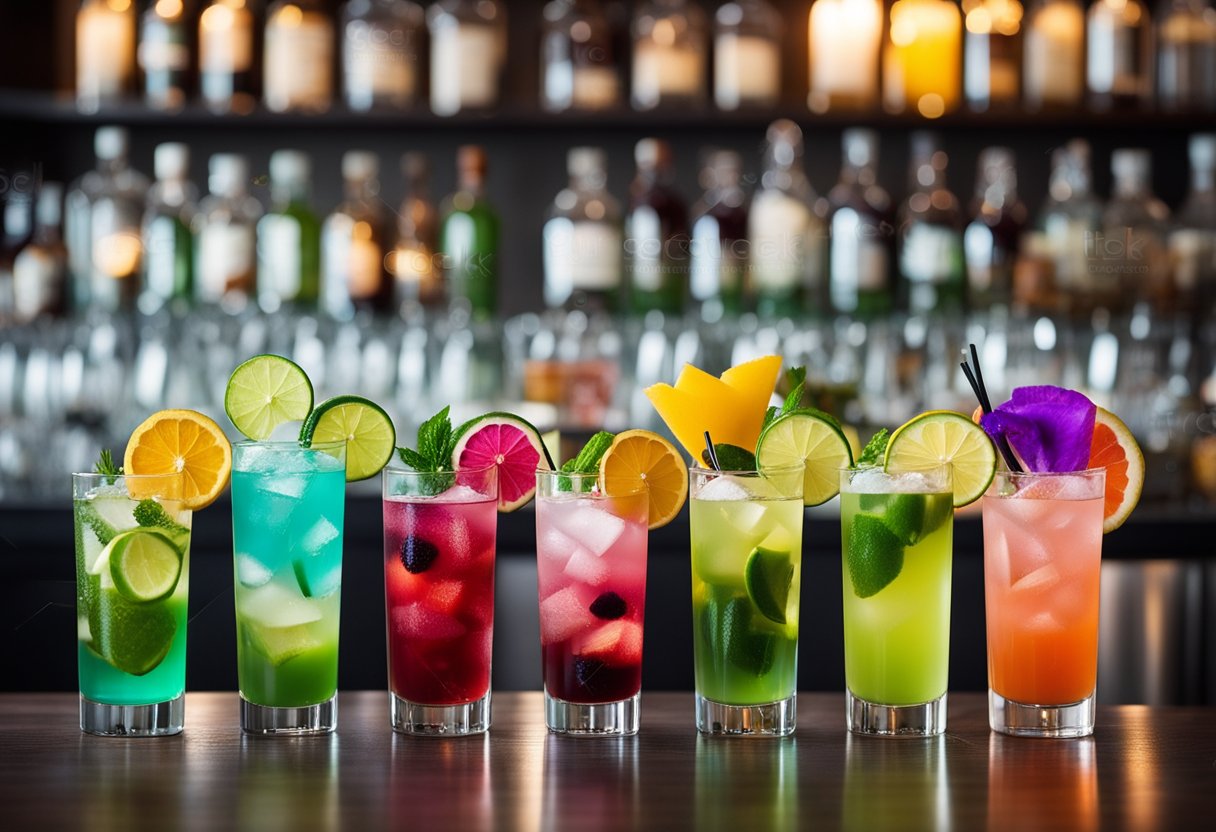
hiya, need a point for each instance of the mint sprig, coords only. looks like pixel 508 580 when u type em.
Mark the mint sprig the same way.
pixel 874 450
pixel 793 399
pixel 106 467
pixel 586 462
pixel 436 441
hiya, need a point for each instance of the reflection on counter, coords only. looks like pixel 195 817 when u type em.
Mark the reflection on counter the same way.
pixel 746 785
pixel 896 784
pixel 1035 785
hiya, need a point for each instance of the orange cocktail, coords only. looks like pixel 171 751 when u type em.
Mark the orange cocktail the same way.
pixel 1042 562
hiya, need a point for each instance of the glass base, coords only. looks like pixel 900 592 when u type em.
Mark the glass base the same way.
pixel 160 719
pixel 439 720
pixel 927 719
pixel 1062 721
pixel 310 719
pixel 775 719
pixel 608 719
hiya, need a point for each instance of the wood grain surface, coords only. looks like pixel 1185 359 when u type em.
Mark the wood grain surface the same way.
pixel 1146 768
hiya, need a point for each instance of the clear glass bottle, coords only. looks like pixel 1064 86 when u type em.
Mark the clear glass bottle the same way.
pixel 468 52
pixel 381 54
pixel 419 278
pixel 164 54
pixel 1186 55
pixel 168 268
pixel 933 276
pixel 16 229
pixel 299 57
pixel 922 57
pixel 845 37
pixel 1193 238
pixel 861 232
pixel 105 53
pixel 990 242
pixel 992 53
pixel 1053 67
pixel 469 238
pixel 40 270
pixel 747 55
pixel 1069 219
pixel 289 238
pixel 225 234
pixel 787 230
pixel 227 72
pixel 583 238
pixel 1119 53
pixel 656 233
pixel 719 281
pixel 354 245
pixel 1132 246
pixel 670 54
pixel 577 58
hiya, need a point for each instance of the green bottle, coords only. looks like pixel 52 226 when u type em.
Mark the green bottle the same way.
pixel 468 238
pixel 289 237
pixel 168 263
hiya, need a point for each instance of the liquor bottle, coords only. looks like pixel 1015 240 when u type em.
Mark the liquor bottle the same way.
pixel 419 279
pixel 164 54
pixel 468 52
pixel 1119 53
pixel 299 56
pixel 747 55
pixel 1069 219
pixel 40 271
pixel 933 277
pixel 1186 55
pixel 16 230
pixel 380 53
pixel 225 56
pixel 1053 68
pixel 670 51
pixel 845 38
pixel 168 271
pixel 992 53
pixel 469 238
pixel 922 57
pixel 289 238
pixel 1133 242
pixel 862 232
pixel 105 53
pixel 656 233
pixel 578 66
pixel 990 242
pixel 225 233
pixel 788 231
pixel 719 280
pixel 583 238
pixel 354 248
pixel 1193 239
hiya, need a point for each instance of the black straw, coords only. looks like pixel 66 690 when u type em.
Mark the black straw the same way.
pixel 711 453
pixel 976 379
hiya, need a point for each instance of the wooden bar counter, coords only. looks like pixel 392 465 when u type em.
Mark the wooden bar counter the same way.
pixel 1145 768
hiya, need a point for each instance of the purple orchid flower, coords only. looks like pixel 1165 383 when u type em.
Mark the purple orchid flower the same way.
pixel 1050 428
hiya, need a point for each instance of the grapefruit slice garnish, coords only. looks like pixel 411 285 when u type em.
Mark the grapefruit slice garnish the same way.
pixel 1115 449
pixel 511 444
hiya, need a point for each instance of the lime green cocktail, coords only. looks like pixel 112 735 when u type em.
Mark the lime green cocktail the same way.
pixel 746 571
pixel 896 534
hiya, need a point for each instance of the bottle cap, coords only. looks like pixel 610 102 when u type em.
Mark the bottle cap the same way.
pixel 471 158
pixel 228 173
pixel 1202 151
pixel 360 165
pixel 583 162
pixel 110 143
pixel 415 165
pixel 171 160
pixel 50 202
pixel 784 142
pixel 1131 164
pixel 290 167
pixel 652 154
pixel 860 146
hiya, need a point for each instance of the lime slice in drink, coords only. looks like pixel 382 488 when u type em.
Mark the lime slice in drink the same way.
pixel 134 638
pixel 508 442
pixel 805 437
pixel 767 576
pixel 265 392
pixel 144 565
pixel 876 555
pixel 364 427
pixel 941 436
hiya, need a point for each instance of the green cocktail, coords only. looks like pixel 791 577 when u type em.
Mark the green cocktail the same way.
pixel 132 587
pixel 896 533
pixel 746 571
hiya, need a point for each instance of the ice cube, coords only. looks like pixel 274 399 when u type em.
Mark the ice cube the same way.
pixel 462 494
pixel 82 629
pixel 587 568
pixel 251 572
pixel 1041 622
pixel 1027 554
pixel 291 486
pixel 746 517
pixel 1040 580
pixel 419 621
pixel 326 584
pixel 724 488
pixel 555 548
pixel 595 529
pixel 274 605
pixel 563 614
pixel 321 534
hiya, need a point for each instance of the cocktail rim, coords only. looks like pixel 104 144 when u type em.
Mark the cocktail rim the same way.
pixel 289 445
pixel 548 474
pixel 176 481
pixel 941 468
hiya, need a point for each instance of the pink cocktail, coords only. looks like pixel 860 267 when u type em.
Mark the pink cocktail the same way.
pixel 439 546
